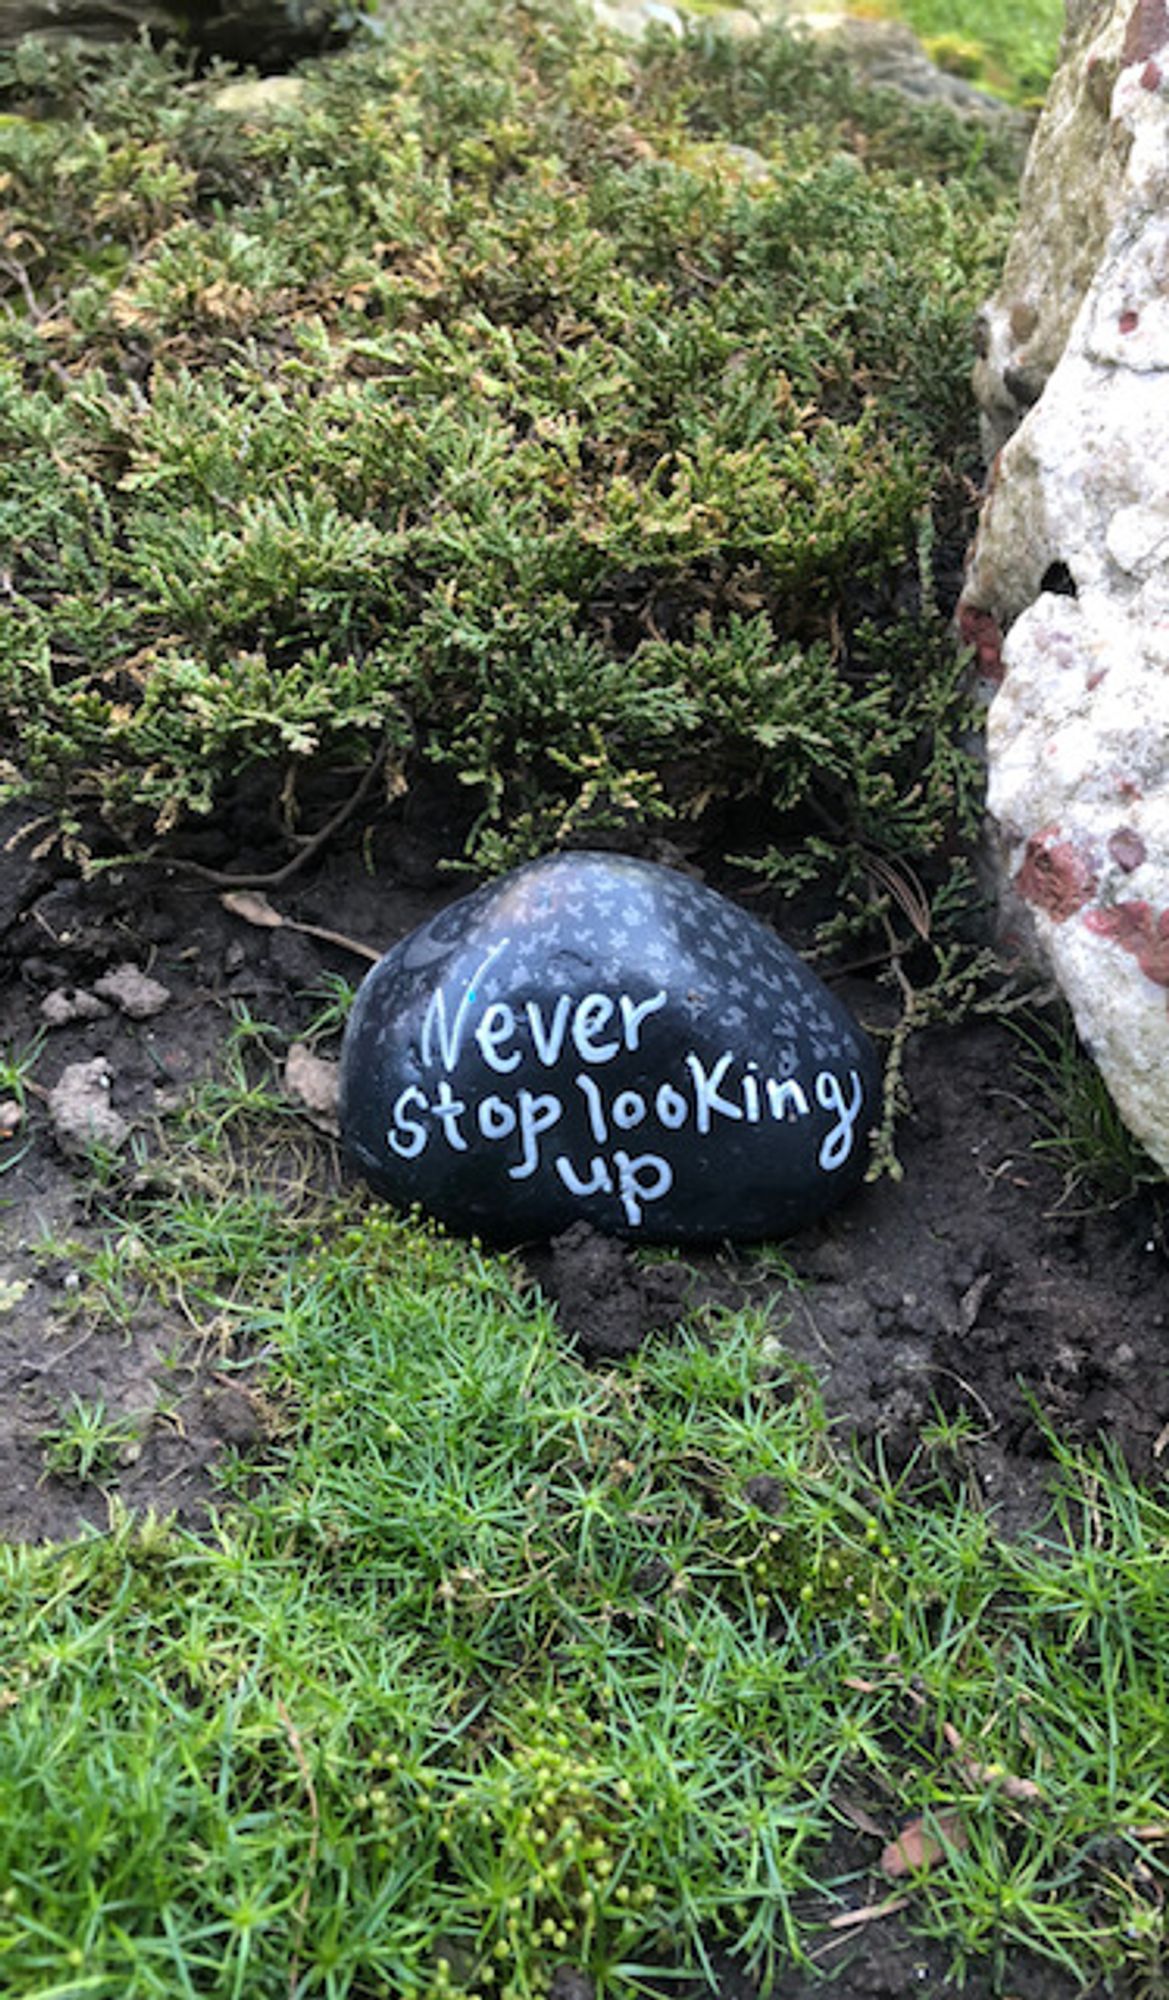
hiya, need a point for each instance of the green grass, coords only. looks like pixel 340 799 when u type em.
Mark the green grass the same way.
pixel 16 1067
pixel 1009 47
pixel 87 1443
pixel 495 1663
pixel 1082 1132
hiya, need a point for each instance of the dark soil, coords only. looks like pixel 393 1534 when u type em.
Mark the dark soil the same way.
pixel 972 1285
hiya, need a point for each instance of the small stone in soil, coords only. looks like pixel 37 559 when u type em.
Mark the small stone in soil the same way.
pixel 133 991
pixel 596 1038
pixel 66 1004
pixel 80 1109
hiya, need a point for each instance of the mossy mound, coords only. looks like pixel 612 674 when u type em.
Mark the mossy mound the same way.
pixel 583 418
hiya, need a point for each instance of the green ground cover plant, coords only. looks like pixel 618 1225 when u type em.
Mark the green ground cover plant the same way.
pixel 488 406
pixel 1102 1164
pixel 494 1662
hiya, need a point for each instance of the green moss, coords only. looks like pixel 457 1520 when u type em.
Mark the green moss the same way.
pixel 957 54
pixel 481 403
pixel 498 1664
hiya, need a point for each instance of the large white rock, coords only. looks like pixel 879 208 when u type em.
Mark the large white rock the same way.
pixel 1070 197
pixel 1067 594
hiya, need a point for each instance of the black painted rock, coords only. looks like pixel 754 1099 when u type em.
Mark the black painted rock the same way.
pixel 595 1037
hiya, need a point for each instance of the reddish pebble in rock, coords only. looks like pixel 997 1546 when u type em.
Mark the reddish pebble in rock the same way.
pixel 1127 848
pixel 1138 929
pixel 982 631
pixel 1147 31
pixel 1055 876
pixel 1153 959
pixel 1129 321
pixel 1151 76
pixel 1127 924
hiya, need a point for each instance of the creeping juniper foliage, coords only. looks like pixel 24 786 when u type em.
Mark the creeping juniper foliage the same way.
pixel 584 419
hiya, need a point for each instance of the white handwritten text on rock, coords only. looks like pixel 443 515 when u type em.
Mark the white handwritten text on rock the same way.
pixel 595 1029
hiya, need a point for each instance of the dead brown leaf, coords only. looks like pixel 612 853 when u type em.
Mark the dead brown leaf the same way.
pixel 313 1083
pixel 921 1845
pixel 253 908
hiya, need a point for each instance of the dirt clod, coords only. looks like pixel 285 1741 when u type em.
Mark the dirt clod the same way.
pixel 766 1493
pixel 134 992
pixel 71 1003
pixel 80 1108
pixel 604 1301
pixel 233 1416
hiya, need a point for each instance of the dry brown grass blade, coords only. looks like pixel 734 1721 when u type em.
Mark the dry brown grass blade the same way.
pixel 1023 1791
pixel 856 1815
pixel 870 1913
pixel 901 883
